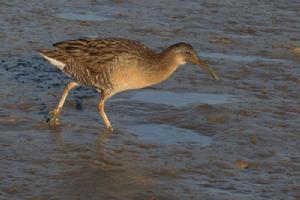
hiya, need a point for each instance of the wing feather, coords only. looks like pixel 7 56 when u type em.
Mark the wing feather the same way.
pixel 97 54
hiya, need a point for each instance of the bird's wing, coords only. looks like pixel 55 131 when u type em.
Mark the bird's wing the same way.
pixel 99 53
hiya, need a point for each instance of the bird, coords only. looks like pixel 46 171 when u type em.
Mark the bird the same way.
pixel 114 65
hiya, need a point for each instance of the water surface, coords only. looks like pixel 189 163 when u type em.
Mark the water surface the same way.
pixel 180 99
pixel 84 17
pixel 162 134
pixel 239 58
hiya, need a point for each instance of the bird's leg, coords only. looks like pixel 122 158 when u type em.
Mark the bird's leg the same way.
pixel 103 114
pixel 56 112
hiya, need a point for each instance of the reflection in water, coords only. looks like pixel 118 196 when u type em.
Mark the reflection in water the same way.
pixel 101 145
pixel 58 136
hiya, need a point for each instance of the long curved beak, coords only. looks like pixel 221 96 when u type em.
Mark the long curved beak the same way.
pixel 207 68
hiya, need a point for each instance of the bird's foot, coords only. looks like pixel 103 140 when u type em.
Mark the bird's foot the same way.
pixel 110 129
pixel 54 120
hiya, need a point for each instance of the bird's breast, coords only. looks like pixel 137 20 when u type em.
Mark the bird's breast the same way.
pixel 129 78
pixel 132 73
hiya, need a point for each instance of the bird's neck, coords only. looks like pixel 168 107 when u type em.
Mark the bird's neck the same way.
pixel 168 63
pixel 162 66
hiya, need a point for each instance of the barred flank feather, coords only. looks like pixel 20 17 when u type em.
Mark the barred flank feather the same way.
pixel 86 76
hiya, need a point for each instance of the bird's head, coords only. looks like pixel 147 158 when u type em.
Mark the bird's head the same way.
pixel 184 53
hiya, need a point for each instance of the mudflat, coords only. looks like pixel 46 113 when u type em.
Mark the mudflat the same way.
pixel 188 138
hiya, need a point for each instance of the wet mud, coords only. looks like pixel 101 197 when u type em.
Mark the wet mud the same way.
pixel 188 138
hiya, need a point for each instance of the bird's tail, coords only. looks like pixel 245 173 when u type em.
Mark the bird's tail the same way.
pixel 54 57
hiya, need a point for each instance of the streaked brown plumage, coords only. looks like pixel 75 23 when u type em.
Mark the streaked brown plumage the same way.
pixel 113 65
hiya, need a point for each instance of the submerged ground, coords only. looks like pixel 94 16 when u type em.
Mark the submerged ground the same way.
pixel 188 138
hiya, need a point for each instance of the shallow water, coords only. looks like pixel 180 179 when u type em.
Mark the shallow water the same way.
pixel 180 99
pixel 239 58
pixel 161 134
pixel 181 139
pixel 84 17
